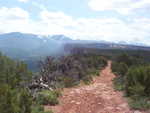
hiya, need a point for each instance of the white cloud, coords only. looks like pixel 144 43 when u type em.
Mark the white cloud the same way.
pixel 13 13
pixel 14 19
pixel 56 17
pixel 121 6
pixel 40 6
pixel 110 29
pixel 23 0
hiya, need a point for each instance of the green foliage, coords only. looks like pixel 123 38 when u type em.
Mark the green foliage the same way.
pixel 5 99
pixel 39 109
pixel 133 76
pixel 87 79
pixel 48 97
pixel 14 100
pixel 119 68
pixel 130 60
pixel 138 81
pixel 22 101
pixel 13 73
pixel 94 72
pixel 140 103
pixel 69 82
pixel 119 83
pixel 14 96
pixel 124 58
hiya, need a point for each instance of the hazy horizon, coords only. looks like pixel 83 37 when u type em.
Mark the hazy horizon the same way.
pixel 109 20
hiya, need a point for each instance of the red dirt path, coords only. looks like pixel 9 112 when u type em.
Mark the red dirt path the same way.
pixel 98 97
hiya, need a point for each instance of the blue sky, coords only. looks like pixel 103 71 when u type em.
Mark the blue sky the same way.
pixel 110 20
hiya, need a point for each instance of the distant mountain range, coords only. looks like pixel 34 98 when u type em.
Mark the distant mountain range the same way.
pixel 21 45
pixel 30 47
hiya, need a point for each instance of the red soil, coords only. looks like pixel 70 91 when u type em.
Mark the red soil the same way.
pixel 98 97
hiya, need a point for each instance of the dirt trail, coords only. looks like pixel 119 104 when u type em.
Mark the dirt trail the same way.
pixel 98 97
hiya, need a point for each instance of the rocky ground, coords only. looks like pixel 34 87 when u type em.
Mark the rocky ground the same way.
pixel 98 97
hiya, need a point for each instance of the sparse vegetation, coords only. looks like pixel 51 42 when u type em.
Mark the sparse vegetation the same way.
pixel 47 97
pixel 57 73
pixel 133 76
pixel 69 70
pixel 82 64
pixel 39 109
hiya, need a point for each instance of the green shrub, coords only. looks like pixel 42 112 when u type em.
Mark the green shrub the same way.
pixel 123 68
pixel 125 58
pixel 137 84
pixel 48 97
pixel 39 109
pixel 14 96
pixel 114 67
pixel 94 72
pixel 69 82
pixel 14 100
pixel 140 103
pixel 97 73
pixel 87 79
pixel 57 92
pixel 133 76
pixel 119 68
pixel 138 81
pixel 119 83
